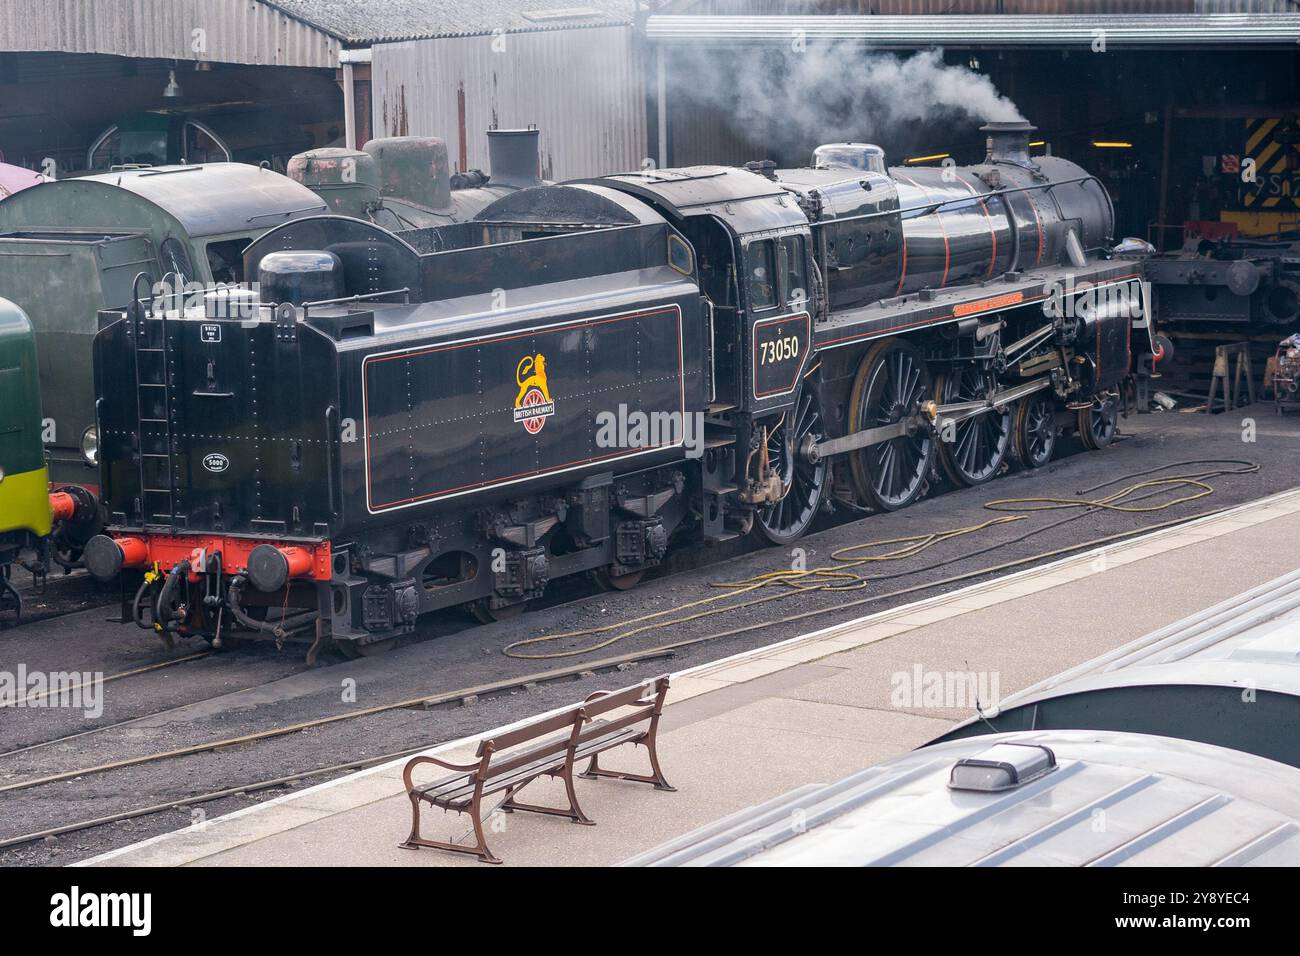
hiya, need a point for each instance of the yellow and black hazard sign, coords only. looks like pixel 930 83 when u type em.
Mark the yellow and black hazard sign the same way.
pixel 1269 171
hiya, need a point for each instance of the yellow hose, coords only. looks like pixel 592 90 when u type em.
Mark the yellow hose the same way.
pixel 840 576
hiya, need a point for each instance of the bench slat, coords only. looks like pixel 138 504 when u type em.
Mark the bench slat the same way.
pixel 548 725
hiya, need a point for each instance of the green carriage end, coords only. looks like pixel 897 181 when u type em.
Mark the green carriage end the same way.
pixel 24 497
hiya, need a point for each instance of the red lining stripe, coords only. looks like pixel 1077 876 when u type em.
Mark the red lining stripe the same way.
pixel 903 274
pixel 1034 206
pixel 934 321
pixel 673 309
pixel 947 256
pixel 993 233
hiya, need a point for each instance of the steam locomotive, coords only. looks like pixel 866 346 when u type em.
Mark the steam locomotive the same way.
pixel 587 374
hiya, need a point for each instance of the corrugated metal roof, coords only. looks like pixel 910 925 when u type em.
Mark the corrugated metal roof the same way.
pixel 370 21
pixel 1113 799
pixel 233 31
pixel 912 32
pixel 1228 675
pixel 542 79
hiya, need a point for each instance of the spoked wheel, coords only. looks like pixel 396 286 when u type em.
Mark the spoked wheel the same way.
pixel 484 613
pixel 1099 422
pixel 802 480
pixel 979 445
pixel 890 386
pixel 1035 434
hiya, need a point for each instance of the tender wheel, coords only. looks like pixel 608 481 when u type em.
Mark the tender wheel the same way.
pixel 790 517
pixel 979 445
pixel 1035 433
pixel 1099 422
pixel 355 652
pixel 484 613
pixel 621 582
pixel 890 386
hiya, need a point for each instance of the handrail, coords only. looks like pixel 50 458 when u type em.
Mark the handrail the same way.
pixel 975 197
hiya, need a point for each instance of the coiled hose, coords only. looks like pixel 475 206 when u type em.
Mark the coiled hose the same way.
pixel 841 575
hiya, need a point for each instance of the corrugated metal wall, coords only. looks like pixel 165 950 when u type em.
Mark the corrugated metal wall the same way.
pixel 234 31
pixel 584 88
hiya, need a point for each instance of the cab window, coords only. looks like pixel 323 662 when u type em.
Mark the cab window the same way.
pixel 793 269
pixel 226 259
pixel 761 259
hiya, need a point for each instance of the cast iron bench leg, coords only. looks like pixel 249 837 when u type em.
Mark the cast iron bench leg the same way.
pixel 415 841
pixel 657 778
pixel 574 811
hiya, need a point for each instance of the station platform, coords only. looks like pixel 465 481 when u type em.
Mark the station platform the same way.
pixel 743 730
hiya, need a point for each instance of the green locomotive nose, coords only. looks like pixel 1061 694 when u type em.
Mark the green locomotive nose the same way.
pixel 24 497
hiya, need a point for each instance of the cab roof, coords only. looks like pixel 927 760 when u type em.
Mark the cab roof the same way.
pixel 746 201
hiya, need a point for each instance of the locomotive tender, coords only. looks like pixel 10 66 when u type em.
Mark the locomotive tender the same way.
pixel 410 423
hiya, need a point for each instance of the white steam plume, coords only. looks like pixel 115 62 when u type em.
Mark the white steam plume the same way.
pixel 834 92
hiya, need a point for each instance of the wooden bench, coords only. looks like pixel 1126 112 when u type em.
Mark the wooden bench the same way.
pixel 549 747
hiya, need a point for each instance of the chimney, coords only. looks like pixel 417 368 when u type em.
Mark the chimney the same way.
pixel 1009 143
pixel 515 157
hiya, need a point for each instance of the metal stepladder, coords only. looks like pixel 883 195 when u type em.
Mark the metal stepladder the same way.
pixel 1241 371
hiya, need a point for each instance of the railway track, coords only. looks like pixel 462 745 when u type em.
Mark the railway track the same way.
pixel 1128 499
pixel 840 577
pixel 279 748
pixel 426 702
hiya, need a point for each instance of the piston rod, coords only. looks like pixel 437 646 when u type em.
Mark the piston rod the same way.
pixel 929 414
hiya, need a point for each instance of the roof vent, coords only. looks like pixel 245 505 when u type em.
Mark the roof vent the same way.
pixel 1001 767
